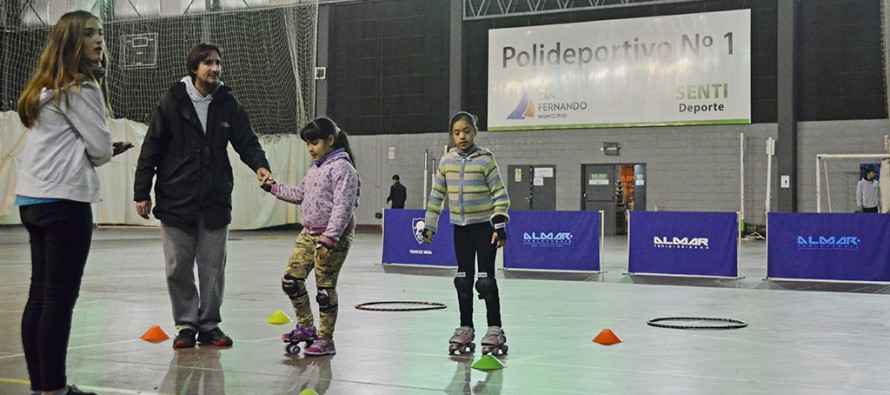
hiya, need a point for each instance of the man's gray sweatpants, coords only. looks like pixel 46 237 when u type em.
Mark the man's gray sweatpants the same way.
pixel 182 249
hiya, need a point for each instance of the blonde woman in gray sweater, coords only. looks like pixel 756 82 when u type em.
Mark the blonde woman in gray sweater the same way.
pixel 65 107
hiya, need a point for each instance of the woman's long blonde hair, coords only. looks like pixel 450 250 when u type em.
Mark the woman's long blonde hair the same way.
pixel 61 66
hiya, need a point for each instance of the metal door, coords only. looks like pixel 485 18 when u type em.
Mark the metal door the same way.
pixel 531 187
pixel 519 186
pixel 640 187
pixel 598 192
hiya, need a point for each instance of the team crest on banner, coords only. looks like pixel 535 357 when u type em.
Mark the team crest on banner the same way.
pixel 417 224
pixel 403 228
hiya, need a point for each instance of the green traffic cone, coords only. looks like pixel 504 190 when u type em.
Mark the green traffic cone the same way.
pixel 278 318
pixel 488 362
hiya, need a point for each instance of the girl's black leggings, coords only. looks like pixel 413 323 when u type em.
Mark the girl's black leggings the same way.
pixel 60 234
pixel 472 242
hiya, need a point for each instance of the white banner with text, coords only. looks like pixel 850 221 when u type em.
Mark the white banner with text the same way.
pixel 692 69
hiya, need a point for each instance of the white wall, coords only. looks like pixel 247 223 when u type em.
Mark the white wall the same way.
pixel 688 168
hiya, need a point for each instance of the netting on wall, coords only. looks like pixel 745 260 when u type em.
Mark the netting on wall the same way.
pixel 268 59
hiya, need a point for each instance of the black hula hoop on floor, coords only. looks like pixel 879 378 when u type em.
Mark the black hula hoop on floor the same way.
pixel 427 306
pixel 730 323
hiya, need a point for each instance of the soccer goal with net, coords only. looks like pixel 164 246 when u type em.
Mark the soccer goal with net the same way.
pixel 837 176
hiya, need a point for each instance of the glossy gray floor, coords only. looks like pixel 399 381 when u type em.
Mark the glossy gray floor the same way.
pixel 807 338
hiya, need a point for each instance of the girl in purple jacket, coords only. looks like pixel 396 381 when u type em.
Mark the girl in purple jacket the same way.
pixel 328 196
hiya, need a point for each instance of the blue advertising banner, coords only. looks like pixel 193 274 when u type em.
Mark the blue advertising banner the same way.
pixel 851 247
pixel 553 240
pixel 403 241
pixel 686 243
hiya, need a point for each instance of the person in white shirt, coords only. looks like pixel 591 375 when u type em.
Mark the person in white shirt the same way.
pixel 868 193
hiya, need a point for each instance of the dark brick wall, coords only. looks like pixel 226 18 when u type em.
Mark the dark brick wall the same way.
pixel 389 66
pixel 841 62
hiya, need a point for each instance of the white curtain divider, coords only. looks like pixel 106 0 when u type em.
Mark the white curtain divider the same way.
pixel 252 208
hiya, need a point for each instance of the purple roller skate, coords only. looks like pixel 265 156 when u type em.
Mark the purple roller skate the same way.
pixel 321 346
pixel 299 335
pixel 462 341
pixel 494 341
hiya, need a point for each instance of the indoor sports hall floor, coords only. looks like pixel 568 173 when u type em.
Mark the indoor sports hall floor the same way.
pixel 802 337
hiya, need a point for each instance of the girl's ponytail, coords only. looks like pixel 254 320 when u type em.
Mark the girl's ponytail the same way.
pixel 342 141
pixel 324 127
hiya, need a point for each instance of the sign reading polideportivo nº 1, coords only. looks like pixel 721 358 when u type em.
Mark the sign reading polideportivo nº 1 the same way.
pixel 667 70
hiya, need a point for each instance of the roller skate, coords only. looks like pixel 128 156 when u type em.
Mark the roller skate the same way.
pixel 494 341
pixel 462 341
pixel 321 346
pixel 299 335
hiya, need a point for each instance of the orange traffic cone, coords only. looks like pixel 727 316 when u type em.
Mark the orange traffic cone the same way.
pixel 607 338
pixel 155 335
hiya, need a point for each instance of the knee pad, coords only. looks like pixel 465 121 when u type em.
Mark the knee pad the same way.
pixel 487 287
pixel 323 297
pixel 327 300
pixel 293 286
pixel 464 286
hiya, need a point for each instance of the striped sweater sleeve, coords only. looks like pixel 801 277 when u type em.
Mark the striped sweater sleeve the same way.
pixel 499 196
pixel 437 198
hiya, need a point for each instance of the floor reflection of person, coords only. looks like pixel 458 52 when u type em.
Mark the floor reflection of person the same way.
pixel 195 372
pixel 461 382
pixel 316 375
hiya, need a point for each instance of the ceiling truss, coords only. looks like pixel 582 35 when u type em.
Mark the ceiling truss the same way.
pixel 487 9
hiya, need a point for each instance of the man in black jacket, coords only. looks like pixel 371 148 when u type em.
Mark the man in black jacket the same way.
pixel 186 149
pixel 397 193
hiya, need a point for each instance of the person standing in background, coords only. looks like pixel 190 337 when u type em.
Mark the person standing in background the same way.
pixel 397 193
pixel 868 193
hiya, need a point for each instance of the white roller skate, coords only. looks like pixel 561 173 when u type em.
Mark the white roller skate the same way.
pixel 494 341
pixel 462 341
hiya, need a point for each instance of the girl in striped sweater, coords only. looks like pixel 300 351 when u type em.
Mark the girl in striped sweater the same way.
pixel 477 198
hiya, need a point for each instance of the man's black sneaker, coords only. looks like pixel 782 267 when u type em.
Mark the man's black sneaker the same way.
pixel 185 338
pixel 215 337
